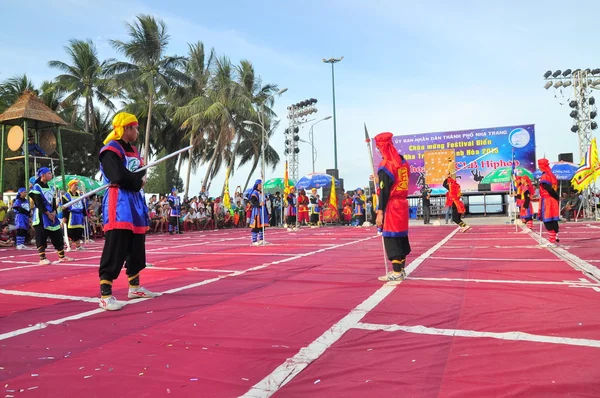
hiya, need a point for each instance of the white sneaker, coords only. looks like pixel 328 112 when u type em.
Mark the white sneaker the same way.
pixel 21 247
pixel 110 304
pixel 45 262
pixel 141 292
pixel 80 248
pixel 255 244
pixel 64 259
pixel 465 228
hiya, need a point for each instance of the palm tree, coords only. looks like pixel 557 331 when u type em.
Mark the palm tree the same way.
pixel 85 78
pixel 191 100
pixel 13 88
pixel 250 149
pixel 149 67
pixel 250 140
pixel 50 95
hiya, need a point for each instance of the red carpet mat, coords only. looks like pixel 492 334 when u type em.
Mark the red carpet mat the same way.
pixel 306 316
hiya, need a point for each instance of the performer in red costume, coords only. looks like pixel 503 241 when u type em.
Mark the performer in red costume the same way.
pixel 549 208
pixel 526 190
pixel 302 208
pixel 453 199
pixel 393 174
pixel 347 209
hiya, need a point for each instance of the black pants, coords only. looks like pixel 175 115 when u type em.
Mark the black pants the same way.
pixel 291 220
pixel 396 250
pixel 56 237
pixel 122 246
pixel 314 218
pixel 361 219
pixel 455 215
pixel 551 226
pixel 426 214
pixel 75 234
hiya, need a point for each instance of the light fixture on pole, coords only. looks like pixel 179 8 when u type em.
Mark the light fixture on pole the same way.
pixel 583 110
pixel 264 140
pixel 298 114
pixel 333 61
pixel 312 140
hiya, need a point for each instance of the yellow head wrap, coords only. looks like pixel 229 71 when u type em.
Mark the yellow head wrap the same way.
pixel 120 121
pixel 72 182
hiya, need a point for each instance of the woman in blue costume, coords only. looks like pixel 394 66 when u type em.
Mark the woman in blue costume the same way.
pixel 45 218
pixel 22 215
pixel 124 212
pixel 74 216
pixel 258 217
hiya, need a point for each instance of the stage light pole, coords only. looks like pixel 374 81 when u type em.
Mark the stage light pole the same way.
pixel 583 110
pixel 333 61
pixel 298 114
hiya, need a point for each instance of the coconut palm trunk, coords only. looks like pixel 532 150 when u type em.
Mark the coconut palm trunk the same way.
pixel 148 122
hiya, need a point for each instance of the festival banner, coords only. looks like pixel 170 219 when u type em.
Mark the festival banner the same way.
pixel 478 152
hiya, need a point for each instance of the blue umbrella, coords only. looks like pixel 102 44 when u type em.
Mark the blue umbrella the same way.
pixel 316 180
pixel 562 170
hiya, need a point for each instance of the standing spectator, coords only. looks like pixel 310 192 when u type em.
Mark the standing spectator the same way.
pixel 426 202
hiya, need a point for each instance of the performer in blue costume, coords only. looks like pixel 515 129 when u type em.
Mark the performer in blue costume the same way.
pixel 124 212
pixel 74 216
pixel 175 204
pixel 360 202
pixel 45 219
pixel 259 216
pixel 22 215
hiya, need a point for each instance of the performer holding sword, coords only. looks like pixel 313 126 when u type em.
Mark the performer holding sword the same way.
pixel 124 212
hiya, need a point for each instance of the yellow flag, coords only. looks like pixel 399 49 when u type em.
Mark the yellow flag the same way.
pixel 226 196
pixel 286 183
pixel 333 194
pixel 589 168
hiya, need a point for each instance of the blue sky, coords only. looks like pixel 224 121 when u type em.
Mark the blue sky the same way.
pixel 408 67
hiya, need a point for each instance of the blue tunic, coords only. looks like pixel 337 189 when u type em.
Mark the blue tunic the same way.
pixel 176 209
pixel 47 195
pixel 259 216
pixel 21 220
pixel 121 208
pixel 76 211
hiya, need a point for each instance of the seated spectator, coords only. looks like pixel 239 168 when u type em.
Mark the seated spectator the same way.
pixel 5 239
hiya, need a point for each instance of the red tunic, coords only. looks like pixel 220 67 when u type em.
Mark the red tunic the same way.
pixel 395 223
pixel 549 208
pixel 454 195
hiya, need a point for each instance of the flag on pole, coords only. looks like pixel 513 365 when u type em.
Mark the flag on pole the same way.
pixel 513 173
pixel 589 168
pixel 333 195
pixel 286 183
pixel 226 196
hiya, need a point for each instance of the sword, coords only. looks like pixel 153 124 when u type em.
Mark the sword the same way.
pixel 151 164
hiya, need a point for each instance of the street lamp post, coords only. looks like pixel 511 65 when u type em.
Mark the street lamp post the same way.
pixel 312 141
pixel 261 124
pixel 333 61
